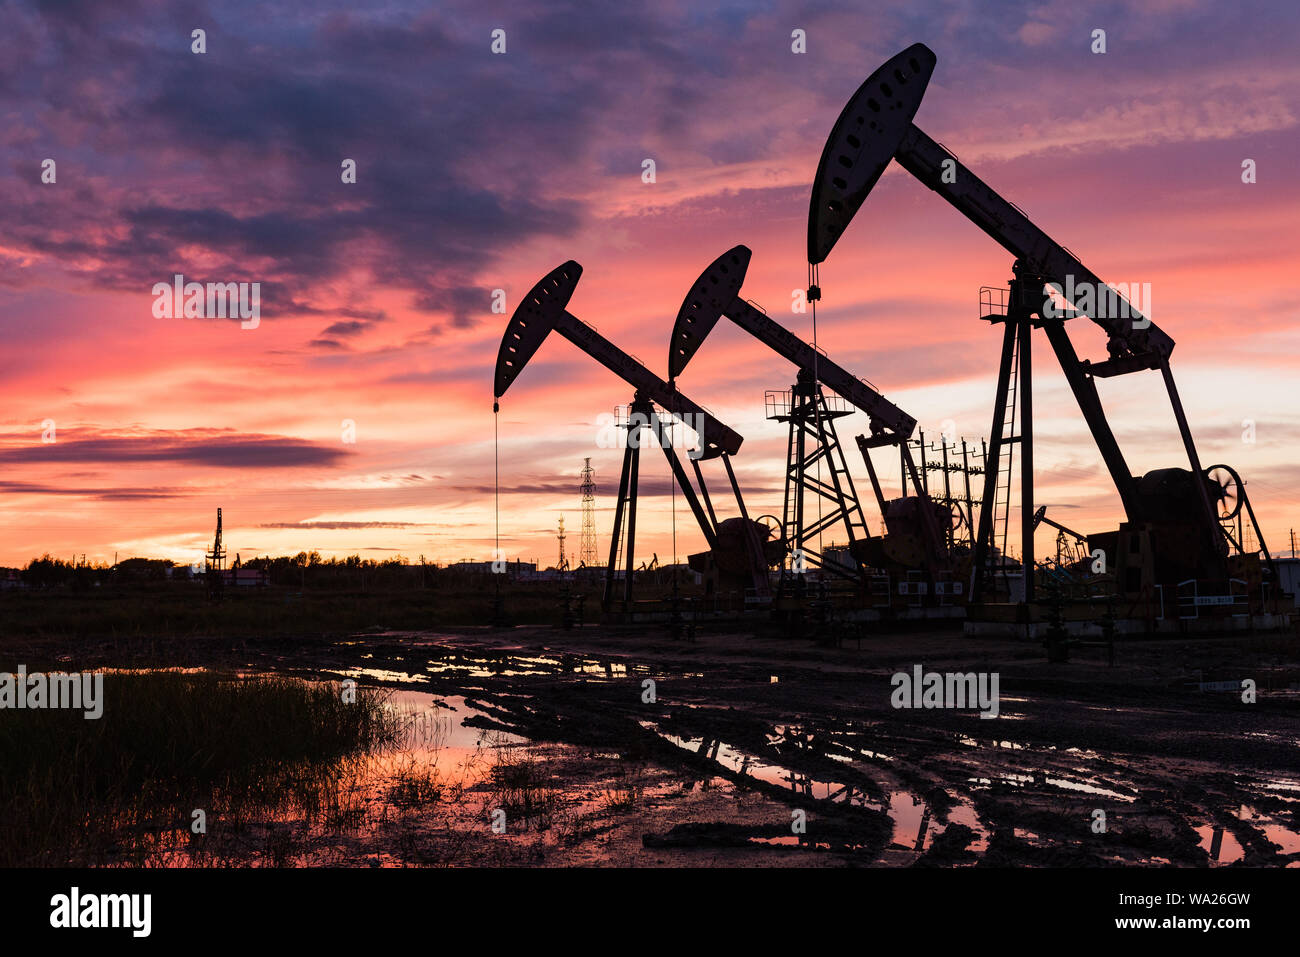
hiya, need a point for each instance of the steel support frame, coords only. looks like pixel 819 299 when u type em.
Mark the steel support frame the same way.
pixel 622 548
pixel 809 419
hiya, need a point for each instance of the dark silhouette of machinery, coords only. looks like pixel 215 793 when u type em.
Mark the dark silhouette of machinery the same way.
pixel 740 559
pixel 915 525
pixel 813 441
pixel 1173 533
pixel 216 566
pixel 1071 546
pixel 954 464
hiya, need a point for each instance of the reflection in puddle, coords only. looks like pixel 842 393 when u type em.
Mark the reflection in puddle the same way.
pixel 1287 838
pixel 1283 784
pixel 746 764
pixel 911 819
pixel 524 666
pixel 1222 847
pixel 913 826
pixel 380 674
pixel 834 743
pixel 434 734
pixel 1085 786
pixel 441 661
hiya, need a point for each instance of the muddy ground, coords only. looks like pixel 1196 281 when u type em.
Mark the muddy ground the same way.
pixel 745 732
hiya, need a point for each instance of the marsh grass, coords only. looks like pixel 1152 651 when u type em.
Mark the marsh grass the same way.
pixel 122 788
pixel 518 784
pixel 415 786
pixel 622 798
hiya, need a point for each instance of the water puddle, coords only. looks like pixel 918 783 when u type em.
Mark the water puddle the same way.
pixel 1051 780
pixel 440 660
pixel 1287 838
pixel 914 828
pixel 437 770
pixel 457 664
pixel 1222 847
pixel 748 765
pixel 382 675
pixel 532 666
pixel 434 734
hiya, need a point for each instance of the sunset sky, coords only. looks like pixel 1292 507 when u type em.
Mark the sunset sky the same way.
pixel 478 171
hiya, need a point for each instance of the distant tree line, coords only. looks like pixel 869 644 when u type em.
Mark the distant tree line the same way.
pixel 303 570
pixel 49 572
pixel 309 570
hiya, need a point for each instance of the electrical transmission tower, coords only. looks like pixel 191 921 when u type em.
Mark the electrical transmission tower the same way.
pixel 587 542
pixel 564 562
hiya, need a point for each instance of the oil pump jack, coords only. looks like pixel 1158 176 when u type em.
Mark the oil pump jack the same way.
pixel 915 539
pixel 1070 545
pixel 1173 535
pixel 738 546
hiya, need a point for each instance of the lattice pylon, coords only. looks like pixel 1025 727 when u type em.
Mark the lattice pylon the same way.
pixel 587 539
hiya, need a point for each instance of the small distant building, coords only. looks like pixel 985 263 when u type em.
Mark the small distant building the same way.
pixel 839 555
pixel 1288 577
pixel 230 577
pixel 514 569
pixel 246 578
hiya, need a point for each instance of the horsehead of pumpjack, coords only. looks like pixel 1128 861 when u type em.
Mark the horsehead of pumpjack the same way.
pixel 876 126
pixel 545 308
pixel 716 293
pixel 704 305
pixel 862 142
pixel 532 321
